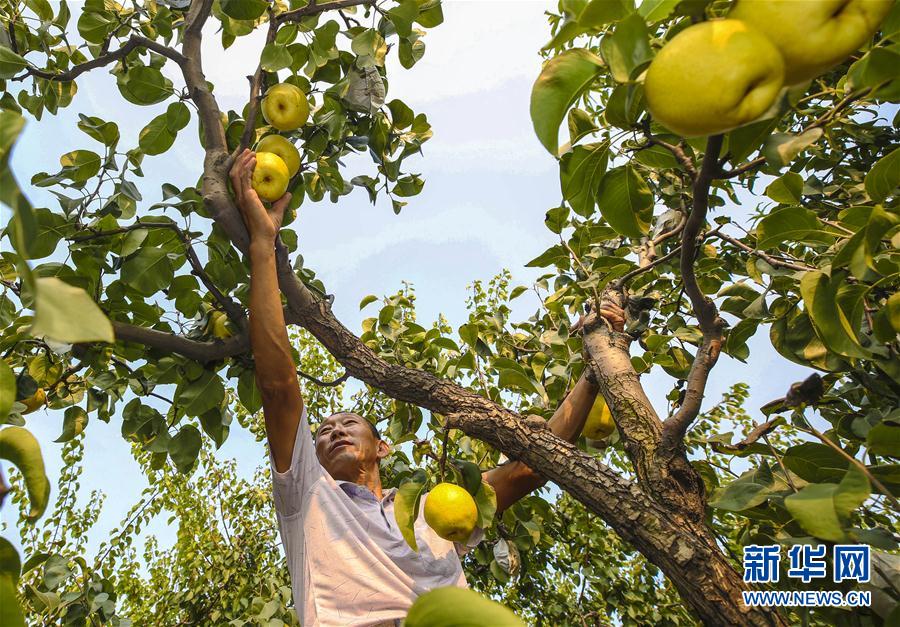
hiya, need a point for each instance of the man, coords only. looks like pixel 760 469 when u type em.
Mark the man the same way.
pixel 349 564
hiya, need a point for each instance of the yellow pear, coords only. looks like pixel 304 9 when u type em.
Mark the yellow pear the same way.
pixel 270 176
pixel 599 423
pixel 34 401
pixel 813 35
pixel 219 325
pixel 712 77
pixel 284 148
pixel 285 107
pixel 451 511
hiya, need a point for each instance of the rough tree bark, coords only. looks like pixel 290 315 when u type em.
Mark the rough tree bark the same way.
pixel 661 513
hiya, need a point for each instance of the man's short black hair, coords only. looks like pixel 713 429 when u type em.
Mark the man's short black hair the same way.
pixel 372 426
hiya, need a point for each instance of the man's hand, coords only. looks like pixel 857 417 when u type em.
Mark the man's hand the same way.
pixel 262 224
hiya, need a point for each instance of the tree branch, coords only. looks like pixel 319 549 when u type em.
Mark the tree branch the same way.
pixel 135 41
pixel 201 352
pixel 822 120
pixel 705 310
pixel 255 82
pixel 314 7
pixel 772 261
pixel 324 384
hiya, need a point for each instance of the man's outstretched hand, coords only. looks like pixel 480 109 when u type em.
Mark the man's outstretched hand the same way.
pixel 262 224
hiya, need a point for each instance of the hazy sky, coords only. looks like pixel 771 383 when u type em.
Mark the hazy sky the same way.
pixel 488 185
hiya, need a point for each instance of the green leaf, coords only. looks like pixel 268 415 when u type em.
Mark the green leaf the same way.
pixel 556 220
pixel 94 26
pixel 830 321
pixel 884 439
pixel 248 393
pixel 11 125
pixel 780 149
pixel 791 224
pixel 185 447
pixel 7 389
pixel 10 63
pixel 243 9
pixel 107 133
pixel 10 613
pixel 625 201
pixel 67 313
pixel 198 397
pixel 406 508
pixel 786 189
pixel 20 448
pixel 149 271
pixel 275 57
pixel 815 462
pixel 431 13
pixel 562 80
pixel 486 502
pixel 177 116
pixel 367 300
pixel 156 138
pixel 813 508
pixel 145 85
pixel 10 563
pixel 627 48
pixel 515 380
pixel 884 177
pixel 469 475
pixel 80 165
pixel 581 124
pixel 580 172
pixel 598 13
pixel 743 141
pixel 749 490
pixel 657 10
pixel 852 492
pixel 74 421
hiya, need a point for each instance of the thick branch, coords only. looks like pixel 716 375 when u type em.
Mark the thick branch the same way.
pixel 135 41
pixel 704 308
pixel 202 352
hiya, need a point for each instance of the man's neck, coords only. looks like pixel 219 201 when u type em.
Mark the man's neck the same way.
pixel 369 478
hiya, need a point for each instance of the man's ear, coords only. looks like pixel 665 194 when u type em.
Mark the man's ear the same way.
pixel 383 450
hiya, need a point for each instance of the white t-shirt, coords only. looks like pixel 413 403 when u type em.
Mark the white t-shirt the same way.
pixel 349 564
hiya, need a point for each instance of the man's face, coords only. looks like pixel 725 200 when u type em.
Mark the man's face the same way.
pixel 345 445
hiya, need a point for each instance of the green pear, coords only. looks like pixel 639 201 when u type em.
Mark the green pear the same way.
pixel 813 35
pixel 712 77
pixel 285 107
pixel 459 607
pixel 284 148
pixel 270 176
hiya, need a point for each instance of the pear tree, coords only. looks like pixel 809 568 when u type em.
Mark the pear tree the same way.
pixel 665 222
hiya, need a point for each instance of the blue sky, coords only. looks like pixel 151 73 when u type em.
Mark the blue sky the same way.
pixel 488 185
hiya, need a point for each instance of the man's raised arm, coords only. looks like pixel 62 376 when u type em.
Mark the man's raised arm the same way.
pixel 276 377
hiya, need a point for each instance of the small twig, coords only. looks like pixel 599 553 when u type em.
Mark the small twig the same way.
pixel 442 464
pixel 887 493
pixel 772 261
pixel 784 469
pixel 135 41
